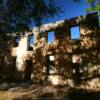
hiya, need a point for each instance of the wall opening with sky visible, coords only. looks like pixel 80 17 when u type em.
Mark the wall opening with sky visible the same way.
pixel 31 41
pixel 75 32
pixel 50 37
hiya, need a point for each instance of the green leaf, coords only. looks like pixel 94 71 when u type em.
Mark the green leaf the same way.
pixel 90 1
pixel 88 9
pixel 95 8
pixel 1 1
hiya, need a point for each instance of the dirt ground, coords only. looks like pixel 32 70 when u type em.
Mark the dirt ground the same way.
pixel 29 91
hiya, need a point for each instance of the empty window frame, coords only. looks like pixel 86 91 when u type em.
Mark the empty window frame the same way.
pixel 31 41
pixel 51 68
pixel 75 32
pixel 77 63
pixel 50 37
pixel 16 41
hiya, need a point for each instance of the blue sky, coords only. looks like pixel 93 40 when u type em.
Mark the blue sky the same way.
pixel 75 34
pixel 70 9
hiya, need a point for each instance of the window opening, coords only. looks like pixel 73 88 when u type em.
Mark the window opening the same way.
pixel 16 41
pixel 50 37
pixel 77 64
pixel 31 41
pixel 75 33
pixel 51 68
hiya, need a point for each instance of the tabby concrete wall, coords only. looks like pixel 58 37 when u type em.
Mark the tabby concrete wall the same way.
pixel 64 49
pixel 7 62
pixel 87 47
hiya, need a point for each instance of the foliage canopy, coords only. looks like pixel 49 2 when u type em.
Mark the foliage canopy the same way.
pixel 16 15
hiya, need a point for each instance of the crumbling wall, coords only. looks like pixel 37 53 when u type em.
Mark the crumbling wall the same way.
pixel 90 46
pixel 20 59
pixel 62 57
pixel 7 62
pixel 85 49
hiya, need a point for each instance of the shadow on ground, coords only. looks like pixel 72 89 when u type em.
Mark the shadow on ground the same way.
pixel 29 91
pixel 60 93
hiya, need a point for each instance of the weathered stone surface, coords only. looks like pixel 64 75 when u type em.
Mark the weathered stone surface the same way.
pixel 63 48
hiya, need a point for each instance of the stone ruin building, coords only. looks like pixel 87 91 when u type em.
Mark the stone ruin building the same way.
pixel 50 52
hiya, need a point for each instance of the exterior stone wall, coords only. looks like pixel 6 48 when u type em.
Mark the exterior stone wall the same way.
pixel 7 62
pixel 72 57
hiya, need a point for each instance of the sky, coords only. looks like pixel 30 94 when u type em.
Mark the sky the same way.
pixel 70 9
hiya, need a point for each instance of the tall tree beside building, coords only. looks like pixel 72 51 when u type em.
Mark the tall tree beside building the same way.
pixel 17 15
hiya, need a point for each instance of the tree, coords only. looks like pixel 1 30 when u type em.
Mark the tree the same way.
pixel 94 5
pixel 16 15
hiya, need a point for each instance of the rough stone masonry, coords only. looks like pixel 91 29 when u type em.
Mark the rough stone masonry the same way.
pixel 34 57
